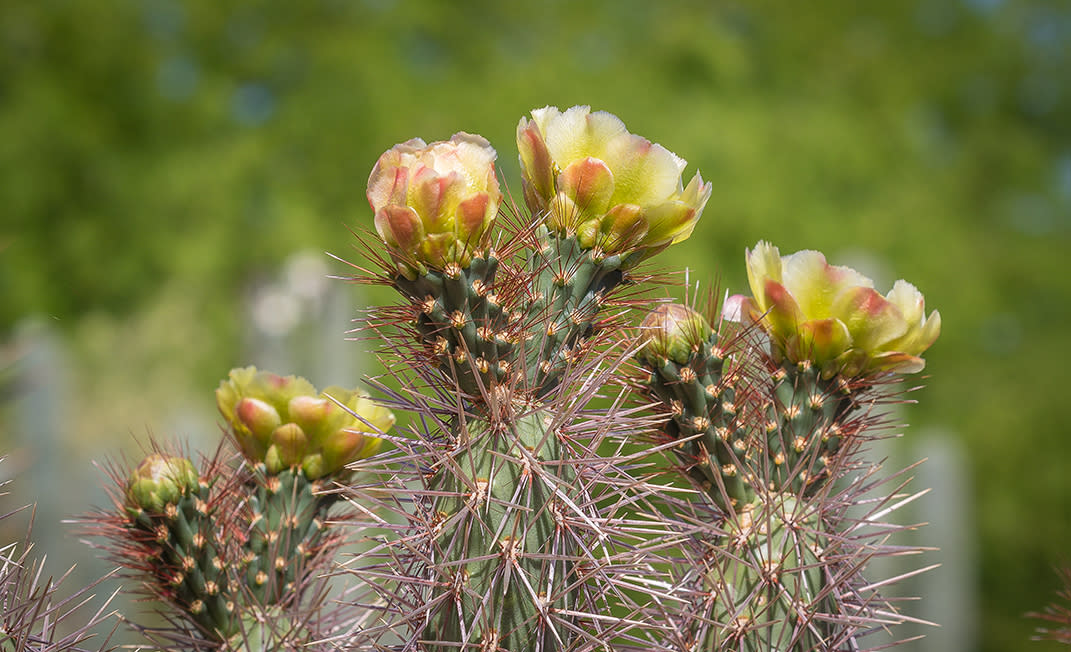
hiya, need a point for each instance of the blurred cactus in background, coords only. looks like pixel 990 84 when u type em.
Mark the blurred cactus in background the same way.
pixel 560 480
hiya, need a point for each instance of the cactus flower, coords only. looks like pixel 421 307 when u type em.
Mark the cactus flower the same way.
pixel 434 204
pixel 833 317
pixel 672 332
pixel 160 480
pixel 610 188
pixel 285 423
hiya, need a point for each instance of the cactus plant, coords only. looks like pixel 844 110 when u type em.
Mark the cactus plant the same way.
pixel 524 503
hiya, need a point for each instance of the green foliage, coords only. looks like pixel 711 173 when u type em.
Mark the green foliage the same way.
pixel 153 142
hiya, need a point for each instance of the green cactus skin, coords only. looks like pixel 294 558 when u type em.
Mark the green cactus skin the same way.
pixel 460 318
pixel 569 284
pixel 705 415
pixel 767 583
pixel 187 559
pixel 478 341
pixel 805 427
pixel 498 541
pixel 286 530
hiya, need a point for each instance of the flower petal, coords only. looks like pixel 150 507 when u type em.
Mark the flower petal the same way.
pixel 590 184
pixel 389 177
pixel 670 222
pixel 537 168
pixel 763 264
pixel 645 173
pixel 819 340
pixel 812 281
pixel 622 228
pixel 897 362
pixel 871 319
pixel 783 314
pixel 577 133
pixel 399 226
pixel 472 218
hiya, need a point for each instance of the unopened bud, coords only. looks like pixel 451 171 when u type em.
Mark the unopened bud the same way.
pixel 160 480
pixel 673 331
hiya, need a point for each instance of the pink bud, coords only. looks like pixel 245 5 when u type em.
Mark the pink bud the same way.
pixel 290 442
pixel 259 416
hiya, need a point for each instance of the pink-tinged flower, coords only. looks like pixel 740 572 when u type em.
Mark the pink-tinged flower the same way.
pixel 609 188
pixel 285 423
pixel 434 204
pixel 833 317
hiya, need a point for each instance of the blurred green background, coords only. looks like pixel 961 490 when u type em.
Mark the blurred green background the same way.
pixel 171 172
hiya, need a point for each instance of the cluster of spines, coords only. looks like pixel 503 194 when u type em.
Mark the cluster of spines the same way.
pixel 505 525
pixel 807 421
pixel 766 443
pixel 496 515
pixel 37 611
pixel 237 556
pixel 766 582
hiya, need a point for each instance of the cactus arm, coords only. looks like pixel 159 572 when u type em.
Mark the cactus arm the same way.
pixel 186 558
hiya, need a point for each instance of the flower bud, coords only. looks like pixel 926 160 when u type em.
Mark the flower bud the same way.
pixel 833 317
pixel 160 480
pixel 434 204
pixel 673 332
pixel 611 189
pixel 258 417
pixel 290 443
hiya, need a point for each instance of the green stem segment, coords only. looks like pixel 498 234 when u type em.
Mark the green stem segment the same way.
pixel 187 559
pixel 805 427
pixel 791 450
pixel 704 414
pixel 461 320
pixel 499 561
pixel 477 341
pixel 766 584
pixel 285 532
pixel 569 285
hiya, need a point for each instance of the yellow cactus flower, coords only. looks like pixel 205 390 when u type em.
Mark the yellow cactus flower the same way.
pixel 833 317
pixel 434 204
pixel 608 187
pixel 160 480
pixel 284 422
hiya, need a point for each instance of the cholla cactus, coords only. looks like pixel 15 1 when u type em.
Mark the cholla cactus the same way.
pixel 505 546
pixel 236 548
pixel 768 435
pixel 514 512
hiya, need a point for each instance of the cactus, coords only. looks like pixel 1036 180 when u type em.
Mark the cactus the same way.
pixel 168 507
pixel 236 548
pixel 767 436
pixel 508 530
pixel 524 504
